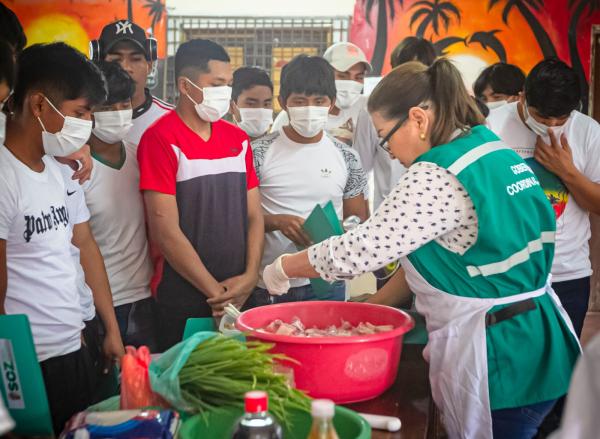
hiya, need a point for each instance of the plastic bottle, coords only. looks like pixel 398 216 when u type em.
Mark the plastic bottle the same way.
pixel 322 427
pixel 256 422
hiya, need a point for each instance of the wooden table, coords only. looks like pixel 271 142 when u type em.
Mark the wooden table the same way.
pixel 408 399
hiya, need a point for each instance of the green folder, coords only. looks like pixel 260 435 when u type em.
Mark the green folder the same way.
pixel 22 386
pixel 322 223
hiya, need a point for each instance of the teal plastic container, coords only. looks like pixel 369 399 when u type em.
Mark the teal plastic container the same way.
pixel 219 425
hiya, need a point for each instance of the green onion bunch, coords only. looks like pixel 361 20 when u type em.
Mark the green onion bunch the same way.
pixel 221 370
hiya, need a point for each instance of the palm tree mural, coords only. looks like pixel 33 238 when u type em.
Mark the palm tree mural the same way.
pixel 156 9
pixel 490 40
pixel 525 8
pixel 433 13
pixel 487 39
pixel 438 13
pixel 382 28
pixel 441 45
pixel 580 7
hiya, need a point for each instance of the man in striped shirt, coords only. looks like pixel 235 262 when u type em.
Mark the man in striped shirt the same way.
pixel 201 194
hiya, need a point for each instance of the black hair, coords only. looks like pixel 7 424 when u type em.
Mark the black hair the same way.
pixel 552 88
pixel 413 49
pixel 483 108
pixel 245 78
pixel 502 78
pixel 7 64
pixel 11 30
pixel 196 54
pixel 118 82
pixel 60 72
pixel 309 75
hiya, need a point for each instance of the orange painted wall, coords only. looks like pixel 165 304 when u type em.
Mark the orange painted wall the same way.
pixel 78 21
pixel 516 35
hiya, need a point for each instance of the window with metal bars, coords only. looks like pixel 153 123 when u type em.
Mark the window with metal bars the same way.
pixel 267 42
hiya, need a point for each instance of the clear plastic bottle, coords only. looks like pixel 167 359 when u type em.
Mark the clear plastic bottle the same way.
pixel 322 427
pixel 256 422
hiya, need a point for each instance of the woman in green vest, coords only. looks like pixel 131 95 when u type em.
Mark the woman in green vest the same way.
pixel 475 236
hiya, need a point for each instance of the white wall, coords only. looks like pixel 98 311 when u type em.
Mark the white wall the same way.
pixel 261 7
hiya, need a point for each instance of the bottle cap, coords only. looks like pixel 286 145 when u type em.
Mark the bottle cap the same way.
pixel 256 401
pixel 323 408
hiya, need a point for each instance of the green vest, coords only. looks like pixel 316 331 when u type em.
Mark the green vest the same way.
pixel 531 356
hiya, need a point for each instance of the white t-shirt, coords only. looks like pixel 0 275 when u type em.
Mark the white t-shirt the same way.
pixel 571 257
pixel 42 279
pixel 341 126
pixel 144 116
pixel 295 177
pixel 386 170
pixel 78 214
pixel 118 224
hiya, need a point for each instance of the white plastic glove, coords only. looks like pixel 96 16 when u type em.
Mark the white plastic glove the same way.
pixel 275 279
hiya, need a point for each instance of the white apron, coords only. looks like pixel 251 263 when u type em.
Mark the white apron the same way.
pixel 457 352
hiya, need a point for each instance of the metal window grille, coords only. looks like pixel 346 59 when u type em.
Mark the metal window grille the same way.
pixel 267 42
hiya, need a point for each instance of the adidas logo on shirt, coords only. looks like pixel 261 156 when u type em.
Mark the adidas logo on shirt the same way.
pixel 325 173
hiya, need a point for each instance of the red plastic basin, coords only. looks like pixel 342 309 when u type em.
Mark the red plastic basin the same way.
pixel 344 369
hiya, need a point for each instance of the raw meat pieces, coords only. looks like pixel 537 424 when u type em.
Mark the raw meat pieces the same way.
pixel 296 328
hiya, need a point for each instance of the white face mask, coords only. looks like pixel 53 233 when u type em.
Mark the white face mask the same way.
pixel 112 126
pixel 255 121
pixel 348 93
pixel 2 127
pixel 215 103
pixel 71 138
pixel 541 129
pixel 308 121
pixel 2 122
pixel 496 104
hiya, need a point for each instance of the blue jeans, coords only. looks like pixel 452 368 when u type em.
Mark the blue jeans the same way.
pixel 574 296
pixel 305 293
pixel 520 422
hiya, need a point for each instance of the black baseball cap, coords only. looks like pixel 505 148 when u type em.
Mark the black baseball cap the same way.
pixel 123 30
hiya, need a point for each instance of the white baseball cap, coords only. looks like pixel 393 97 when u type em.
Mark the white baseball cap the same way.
pixel 344 55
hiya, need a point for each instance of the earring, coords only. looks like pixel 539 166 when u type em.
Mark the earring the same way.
pixel 422 136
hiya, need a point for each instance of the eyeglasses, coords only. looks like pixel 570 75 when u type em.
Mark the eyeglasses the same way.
pixel 384 142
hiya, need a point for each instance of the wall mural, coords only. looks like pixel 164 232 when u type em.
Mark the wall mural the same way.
pixel 477 33
pixel 78 22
